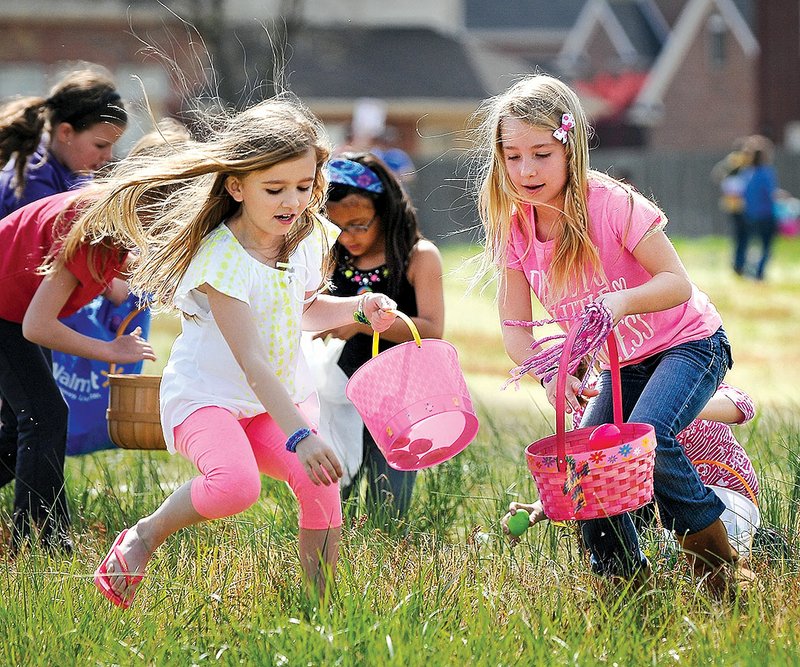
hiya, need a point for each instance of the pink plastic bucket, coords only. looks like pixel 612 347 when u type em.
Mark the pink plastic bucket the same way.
pixel 414 401
pixel 577 479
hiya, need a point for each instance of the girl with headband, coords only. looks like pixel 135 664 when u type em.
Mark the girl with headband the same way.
pixel 380 250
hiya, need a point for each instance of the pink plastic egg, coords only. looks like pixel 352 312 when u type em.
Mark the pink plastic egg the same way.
pixel 420 445
pixel 605 435
pixel 403 460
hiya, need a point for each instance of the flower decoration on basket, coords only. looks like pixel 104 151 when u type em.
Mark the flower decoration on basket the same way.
pixel 589 472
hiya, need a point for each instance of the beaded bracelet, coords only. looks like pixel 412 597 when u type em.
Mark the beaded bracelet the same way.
pixel 359 315
pixel 295 438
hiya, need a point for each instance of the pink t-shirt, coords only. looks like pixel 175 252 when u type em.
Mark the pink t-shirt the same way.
pixel 616 228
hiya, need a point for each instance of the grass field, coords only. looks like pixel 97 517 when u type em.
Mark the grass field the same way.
pixel 445 589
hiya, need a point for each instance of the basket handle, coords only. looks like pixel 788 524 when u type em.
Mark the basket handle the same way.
pixel 561 388
pixel 414 331
pixel 112 367
pixel 735 473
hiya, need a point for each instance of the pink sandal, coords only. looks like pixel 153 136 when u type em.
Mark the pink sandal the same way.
pixel 101 575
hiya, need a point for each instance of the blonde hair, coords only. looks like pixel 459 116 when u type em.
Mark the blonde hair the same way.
pixel 166 204
pixel 164 138
pixel 540 101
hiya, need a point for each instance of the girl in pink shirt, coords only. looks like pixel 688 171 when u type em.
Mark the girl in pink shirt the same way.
pixel 572 236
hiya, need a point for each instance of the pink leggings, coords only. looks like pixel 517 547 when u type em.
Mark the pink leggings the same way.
pixel 231 453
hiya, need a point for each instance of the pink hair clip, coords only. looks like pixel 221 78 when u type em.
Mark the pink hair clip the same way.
pixel 567 123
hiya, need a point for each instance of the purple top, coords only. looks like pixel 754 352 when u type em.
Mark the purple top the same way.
pixel 44 178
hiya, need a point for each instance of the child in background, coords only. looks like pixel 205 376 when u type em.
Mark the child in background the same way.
pixel 238 250
pixel 761 188
pixel 574 236
pixel 728 174
pixel 54 144
pixel 167 135
pixel 48 270
pixel 381 250
pixel 708 439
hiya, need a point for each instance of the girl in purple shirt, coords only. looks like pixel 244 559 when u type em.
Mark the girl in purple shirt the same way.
pixel 53 144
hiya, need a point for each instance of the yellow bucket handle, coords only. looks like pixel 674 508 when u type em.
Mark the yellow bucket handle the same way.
pixel 414 331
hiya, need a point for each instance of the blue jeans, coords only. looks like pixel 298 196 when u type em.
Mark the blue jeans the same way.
pixel 667 390
pixel 741 240
pixel 765 230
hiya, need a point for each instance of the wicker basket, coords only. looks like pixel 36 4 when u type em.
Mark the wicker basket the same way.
pixel 576 480
pixel 133 415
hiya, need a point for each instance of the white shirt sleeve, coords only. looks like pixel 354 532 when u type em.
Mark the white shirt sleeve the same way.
pixel 219 263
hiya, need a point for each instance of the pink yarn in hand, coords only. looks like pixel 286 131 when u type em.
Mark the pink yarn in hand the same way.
pixel 596 323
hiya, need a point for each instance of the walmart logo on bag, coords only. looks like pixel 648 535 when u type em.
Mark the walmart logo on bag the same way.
pixel 82 386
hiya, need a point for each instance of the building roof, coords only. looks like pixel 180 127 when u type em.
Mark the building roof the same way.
pixel 521 14
pixel 387 63
pixel 643 24
pixel 647 107
pixel 635 28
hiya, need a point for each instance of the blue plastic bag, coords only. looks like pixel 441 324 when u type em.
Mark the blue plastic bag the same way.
pixel 84 382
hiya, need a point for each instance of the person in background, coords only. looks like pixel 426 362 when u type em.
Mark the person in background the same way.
pixel 48 270
pixel 728 174
pixel 56 143
pixel 761 187
pixel 385 147
pixel 381 250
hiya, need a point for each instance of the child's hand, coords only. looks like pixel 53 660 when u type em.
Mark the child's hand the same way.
pixel 573 386
pixel 616 302
pixel 318 459
pixel 535 510
pixel 375 307
pixel 117 292
pixel 130 348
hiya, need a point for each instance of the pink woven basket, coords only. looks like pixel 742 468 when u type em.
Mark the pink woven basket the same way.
pixel 414 401
pixel 575 480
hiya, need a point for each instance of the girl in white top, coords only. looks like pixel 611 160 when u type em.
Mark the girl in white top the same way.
pixel 236 246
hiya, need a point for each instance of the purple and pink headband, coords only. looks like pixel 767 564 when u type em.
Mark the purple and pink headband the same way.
pixel 354 174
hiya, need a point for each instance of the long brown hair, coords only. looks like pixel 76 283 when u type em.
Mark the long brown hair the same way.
pixel 168 229
pixel 396 212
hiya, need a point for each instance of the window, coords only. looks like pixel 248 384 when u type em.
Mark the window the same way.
pixel 717 39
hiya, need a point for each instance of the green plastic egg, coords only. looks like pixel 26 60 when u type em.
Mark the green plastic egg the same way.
pixel 518 523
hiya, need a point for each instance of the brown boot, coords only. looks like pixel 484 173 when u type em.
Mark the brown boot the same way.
pixel 714 560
